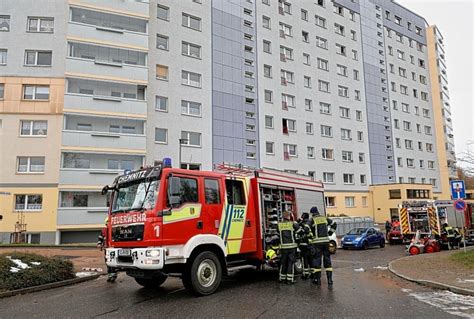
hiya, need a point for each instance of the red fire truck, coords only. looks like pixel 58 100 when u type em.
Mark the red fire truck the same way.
pixel 198 225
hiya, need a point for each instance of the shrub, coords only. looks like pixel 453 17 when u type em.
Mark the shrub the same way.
pixel 49 270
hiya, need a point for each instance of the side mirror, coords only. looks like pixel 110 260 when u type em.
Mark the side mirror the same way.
pixel 105 190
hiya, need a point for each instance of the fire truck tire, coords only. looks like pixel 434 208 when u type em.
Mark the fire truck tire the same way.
pixel 151 283
pixel 203 274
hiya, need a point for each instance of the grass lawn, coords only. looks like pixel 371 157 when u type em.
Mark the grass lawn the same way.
pixel 23 270
pixel 465 259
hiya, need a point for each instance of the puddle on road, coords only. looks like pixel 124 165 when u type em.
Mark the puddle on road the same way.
pixel 449 302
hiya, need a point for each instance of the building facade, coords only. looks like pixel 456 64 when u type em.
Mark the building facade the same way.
pixel 351 92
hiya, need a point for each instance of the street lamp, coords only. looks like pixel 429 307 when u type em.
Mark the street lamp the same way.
pixel 181 142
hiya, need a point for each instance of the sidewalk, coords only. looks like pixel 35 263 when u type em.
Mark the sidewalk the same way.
pixel 435 270
pixel 80 257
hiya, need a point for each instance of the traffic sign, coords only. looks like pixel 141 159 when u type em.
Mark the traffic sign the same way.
pixel 458 190
pixel 459 204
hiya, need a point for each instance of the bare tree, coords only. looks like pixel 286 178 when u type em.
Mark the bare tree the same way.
pixel 467 158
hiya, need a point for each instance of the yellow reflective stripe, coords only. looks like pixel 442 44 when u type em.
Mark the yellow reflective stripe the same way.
pixel 185 212
pixel 285 226
pixel 328 269
pixel 236 230
pixel 320 220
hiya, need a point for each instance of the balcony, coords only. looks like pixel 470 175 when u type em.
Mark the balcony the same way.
pixel 103 139
pixel 140 7
pixel 96 66
pixel 107 27
pixel 71 176
pixel 81 215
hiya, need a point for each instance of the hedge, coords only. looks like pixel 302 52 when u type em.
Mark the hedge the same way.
pixel 49 270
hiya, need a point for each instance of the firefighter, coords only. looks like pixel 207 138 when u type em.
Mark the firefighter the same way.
pixel 102 243
pixel 453 235
pixel 287 230
pixel 304 234
pixel 320 245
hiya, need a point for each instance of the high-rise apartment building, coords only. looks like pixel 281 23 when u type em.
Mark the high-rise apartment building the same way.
pixel 352 92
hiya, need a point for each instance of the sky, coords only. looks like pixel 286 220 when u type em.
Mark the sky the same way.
pixel 454 19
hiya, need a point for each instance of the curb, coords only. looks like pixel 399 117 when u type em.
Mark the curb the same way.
pixel 48 286
pixel 429 283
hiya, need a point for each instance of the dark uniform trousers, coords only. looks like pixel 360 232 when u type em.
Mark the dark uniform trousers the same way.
pixel 306 256
pixel 321 252
pixel 287 264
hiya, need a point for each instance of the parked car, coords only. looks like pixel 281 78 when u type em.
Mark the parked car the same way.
pixel 395 235
pixel 333 243
pixel 363 238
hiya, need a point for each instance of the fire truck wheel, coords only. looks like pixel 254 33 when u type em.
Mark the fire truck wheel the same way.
pixel 151 283
pixel 203 274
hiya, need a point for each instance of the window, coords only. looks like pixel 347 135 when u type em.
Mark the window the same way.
pixel 407 126
pixel 285 30
pixel 357 95
pixel 38 58
pixel 290 149
pixel 418 193
pixel 324 108
pixel 403 89
pixel 191 22
pixel 344 112
pixel 289 124
pixel 190 108
pixel 190 78
pixel 29 202
pixel 396 123
pixel 356 75
pixel 399 162
pixel 410 162
pixel 69 199
pixel 84 127
pixel 308 105
pixel 323 64
pixel 330 201
pixel 267 46
pixel 405 108
pixel 191 50
pixel 307 81
pixel 409 144
pixel 355 55
pixel 304 15
pixel 161 103
pixel 323 86
pixel 40 25
pixel 347 156
pixel 305 36
pixel 343 91
pixel 2 91
pixel 326 131
pixel 306 59
pixel 340 49
pixel 309 128
pixel 348 179
pixel 266 22
pixel 33 128
pixel 420 146
pixel 235 192
pixel 161 135
pixel 267 71
pixel 426 113
pixel 288 100
pixel 359 115
pixel 417 30
pixel 360 136
pixel 353 35
pixel 268 96
pixel 4 23
pixel 163 13
pixel 361 158
pixel 30 165
pixel 427 130
pixel 287 77
pixel 328 177
pixel 212 191
pixel 424 96
pixel 322 43
pixel 250 127
pixel 349 201
pixel 339 29
pixel 162 42
pixel 3 56
pixel 35 92
pixel 327 154
pixel 270 148
pixel 320 21
pixel 310 151
pixel 397 142
pixel 431 164
pixel 269 121
pixel 341 70
pixel 320 3
pixel 161 72
pixel 402 72
pixel 394 194
pixel 399 38
pixel 191 138
pixel 346 134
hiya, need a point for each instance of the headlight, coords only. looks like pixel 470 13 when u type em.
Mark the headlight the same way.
pixel 152 253
pixel 358 239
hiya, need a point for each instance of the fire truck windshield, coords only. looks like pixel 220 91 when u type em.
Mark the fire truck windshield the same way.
pixel 135 196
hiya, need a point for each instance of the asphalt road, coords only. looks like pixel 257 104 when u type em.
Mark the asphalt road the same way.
pixel 363 289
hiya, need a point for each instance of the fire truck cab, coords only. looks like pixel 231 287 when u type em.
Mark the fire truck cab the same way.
pixel 197 225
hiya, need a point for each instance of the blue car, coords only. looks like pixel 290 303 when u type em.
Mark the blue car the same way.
pixel 363 238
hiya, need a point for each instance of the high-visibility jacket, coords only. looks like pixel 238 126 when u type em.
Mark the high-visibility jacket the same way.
pixel 304 233
pixel 449 232
pixel 287 234
pixel 319 228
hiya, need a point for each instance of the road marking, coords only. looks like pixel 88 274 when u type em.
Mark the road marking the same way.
pixel 449 302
